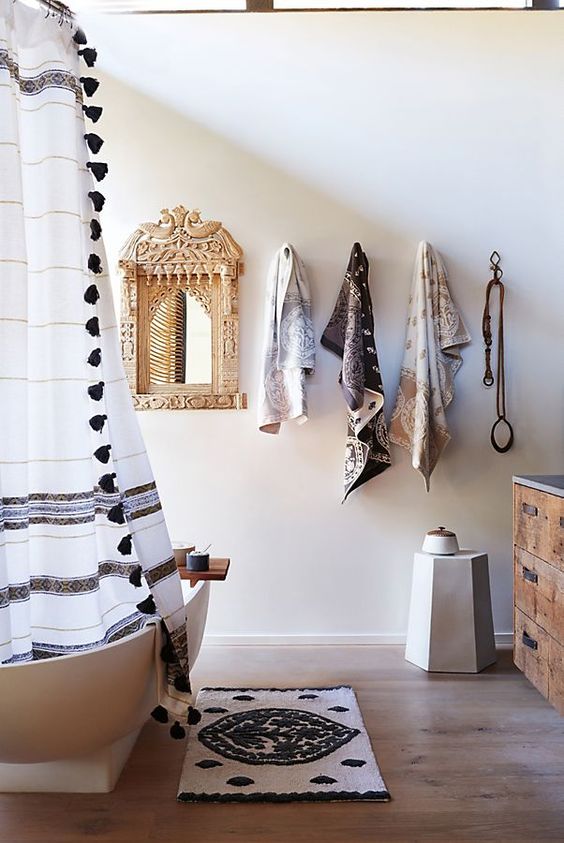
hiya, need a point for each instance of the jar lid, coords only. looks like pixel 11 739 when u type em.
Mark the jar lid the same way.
pixel 441 531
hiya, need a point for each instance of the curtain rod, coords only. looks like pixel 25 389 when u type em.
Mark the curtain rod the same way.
pixel 268 6
pixel 56 8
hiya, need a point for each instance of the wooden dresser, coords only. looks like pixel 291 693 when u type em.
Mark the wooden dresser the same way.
pixel 538 551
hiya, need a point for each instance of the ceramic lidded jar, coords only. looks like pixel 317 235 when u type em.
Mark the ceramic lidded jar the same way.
pixel 441 542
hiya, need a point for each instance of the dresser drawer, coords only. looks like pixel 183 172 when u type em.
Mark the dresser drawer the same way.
pixel 530 521
pixel 539 592
pixel 530 651
pixel 556 675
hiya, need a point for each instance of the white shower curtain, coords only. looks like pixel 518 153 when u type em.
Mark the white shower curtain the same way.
pixel 79 511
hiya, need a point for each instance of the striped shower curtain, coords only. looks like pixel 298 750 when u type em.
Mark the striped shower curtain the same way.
pixel 85 556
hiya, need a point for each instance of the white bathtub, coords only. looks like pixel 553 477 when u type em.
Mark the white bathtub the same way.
pixel 69 724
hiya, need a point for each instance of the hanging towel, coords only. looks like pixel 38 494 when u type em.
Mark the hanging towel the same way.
pixel 435 333
pixel 85 556
pixel 289 347
pixel 350 335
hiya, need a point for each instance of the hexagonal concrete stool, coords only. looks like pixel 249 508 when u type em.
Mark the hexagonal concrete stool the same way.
pixel 450 617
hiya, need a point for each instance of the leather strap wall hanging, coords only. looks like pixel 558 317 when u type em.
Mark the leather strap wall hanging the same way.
pixel 489 379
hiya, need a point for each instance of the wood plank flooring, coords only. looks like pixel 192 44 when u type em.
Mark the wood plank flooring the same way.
pixel 466 758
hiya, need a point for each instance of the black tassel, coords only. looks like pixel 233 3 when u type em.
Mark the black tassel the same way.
pixel 99 170
pixel 89 84
pixel 93 326
pixel 93 112
pixel 95 357
pixel 79 36
pixel 96 391
pixel 95 143
pixel 160 714
pixel 135 575
pixel 97 199
pixel 103 452
pixel 194 716
pixel 116 514
pixel 89 54
pixel 97 423
pixel 94 263
pixel 91 294
pixel 167 653
pixel 124 548
pixel 106 483
pixel 95 230
pixel 181 684
pixel 177 731
pixel 147 606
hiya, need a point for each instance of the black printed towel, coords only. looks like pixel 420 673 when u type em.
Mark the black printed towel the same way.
pixel 350 335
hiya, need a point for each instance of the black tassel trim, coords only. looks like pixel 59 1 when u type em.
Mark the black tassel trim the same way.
pixel 99 170
pixel 91 294
pixel 160 714
pixel 181 684
pixel 93 112
pixel 124 548
pixel 177 731
pixel 106 483
pixel 94 263
pixel 79 36
pixel 194 716
pixel 97 199
pixel 116 515
pixel 167 653
pixel 89 84
pixel 89 54
pixel 147 606
pixel 95 143
pixel 135 576
pixel 95 230
pixel 93 326
pixel 103 452
pixel 96 391
pixel 95 357
pixel 97 423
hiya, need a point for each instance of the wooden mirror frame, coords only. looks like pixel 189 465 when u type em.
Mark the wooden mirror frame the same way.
pixel 182 251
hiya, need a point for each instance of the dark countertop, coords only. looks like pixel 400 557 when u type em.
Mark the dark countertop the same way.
pixel 551 483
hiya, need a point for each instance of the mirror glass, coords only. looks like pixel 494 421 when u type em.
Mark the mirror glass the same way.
pixel 180 340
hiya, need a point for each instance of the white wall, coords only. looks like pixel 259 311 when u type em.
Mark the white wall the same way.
pixel 322 129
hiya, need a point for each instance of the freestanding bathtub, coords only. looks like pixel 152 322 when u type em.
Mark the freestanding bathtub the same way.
pixel 69 724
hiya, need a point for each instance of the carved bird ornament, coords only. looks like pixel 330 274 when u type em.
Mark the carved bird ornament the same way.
pixel 161 230
pixel 197 228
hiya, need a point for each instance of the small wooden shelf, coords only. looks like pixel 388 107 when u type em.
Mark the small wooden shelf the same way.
pixel 217 571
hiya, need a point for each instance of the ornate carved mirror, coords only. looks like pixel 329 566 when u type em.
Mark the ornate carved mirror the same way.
pixel 180 314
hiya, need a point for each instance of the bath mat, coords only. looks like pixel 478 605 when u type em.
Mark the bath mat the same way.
pixel 280 745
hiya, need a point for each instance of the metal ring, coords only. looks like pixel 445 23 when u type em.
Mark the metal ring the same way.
pixel 501 449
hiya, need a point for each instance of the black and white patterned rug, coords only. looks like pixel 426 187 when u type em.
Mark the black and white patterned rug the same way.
pixel 280 745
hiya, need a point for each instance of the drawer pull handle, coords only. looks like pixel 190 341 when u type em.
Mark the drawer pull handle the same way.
pixel 530 510
pixel 562 521
pixel 529 642
pixel 530 576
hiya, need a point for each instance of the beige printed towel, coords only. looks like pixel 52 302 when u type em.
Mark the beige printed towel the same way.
pixel 289 344
pixel 435 334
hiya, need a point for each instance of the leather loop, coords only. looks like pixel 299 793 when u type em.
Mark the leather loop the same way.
pixel 501 449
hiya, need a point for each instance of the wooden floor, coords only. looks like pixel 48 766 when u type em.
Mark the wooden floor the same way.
pixel 476 758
